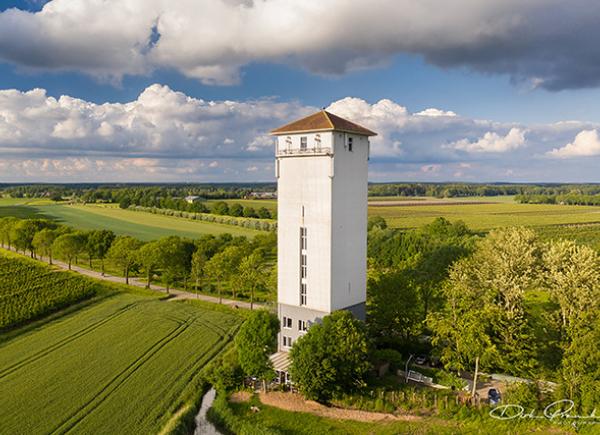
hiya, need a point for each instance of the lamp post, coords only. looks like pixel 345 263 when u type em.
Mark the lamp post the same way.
pixel 406 368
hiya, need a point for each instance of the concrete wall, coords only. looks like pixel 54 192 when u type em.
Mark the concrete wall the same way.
pixel 349 222
pixel 304 183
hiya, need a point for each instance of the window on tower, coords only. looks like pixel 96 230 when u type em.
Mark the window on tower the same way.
pixel 349 144
pixel 287 322
pixel 303 142
pixel 303 264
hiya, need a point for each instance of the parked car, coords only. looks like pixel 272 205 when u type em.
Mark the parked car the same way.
pixel 494 396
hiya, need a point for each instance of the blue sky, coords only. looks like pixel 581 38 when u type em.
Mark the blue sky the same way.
pixel 506 110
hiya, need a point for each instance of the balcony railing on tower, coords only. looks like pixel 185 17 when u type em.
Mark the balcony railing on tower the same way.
pixel 308 151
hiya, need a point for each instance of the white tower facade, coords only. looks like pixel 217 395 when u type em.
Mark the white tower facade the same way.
pixel 322 170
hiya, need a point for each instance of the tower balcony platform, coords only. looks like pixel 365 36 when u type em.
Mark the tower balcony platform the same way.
pixel 299 152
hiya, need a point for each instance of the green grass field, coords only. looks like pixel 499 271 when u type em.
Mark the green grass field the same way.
pixel 277 421
pixel 144 226
pixel 120 365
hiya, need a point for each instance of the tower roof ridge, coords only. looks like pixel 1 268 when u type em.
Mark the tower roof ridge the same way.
pixel 323 121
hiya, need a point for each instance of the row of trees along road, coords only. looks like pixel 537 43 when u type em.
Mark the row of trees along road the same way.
pixel 237 263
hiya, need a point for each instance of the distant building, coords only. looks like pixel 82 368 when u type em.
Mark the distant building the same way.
pixel 321 169
pixel 262 195
pixel 192 199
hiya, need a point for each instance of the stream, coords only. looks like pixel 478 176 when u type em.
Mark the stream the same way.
pixel 203 426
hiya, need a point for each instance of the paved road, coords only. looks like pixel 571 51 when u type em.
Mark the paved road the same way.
pixel 136 282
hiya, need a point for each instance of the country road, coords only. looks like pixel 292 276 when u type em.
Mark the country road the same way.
pixel 136 282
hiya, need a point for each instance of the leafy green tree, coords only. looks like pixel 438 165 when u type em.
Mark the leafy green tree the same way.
pixel 198 267
pixel 250 212
pixel 6 227
pixel 581 366
pixel 572 275
pixel 98 244
pixel 174 257
pixel 148 257
pixel 493 282
pixel 462 332
pixel 223 265
pixel 332 358
pixel 256 340
pixel 250 275
pixel 123 252
pixel 43 242
pixel 220 207
pixel 125 202
pixel 264 213
pixel 69 246
pixel 23 232
pixel 393 308
pixel 236 209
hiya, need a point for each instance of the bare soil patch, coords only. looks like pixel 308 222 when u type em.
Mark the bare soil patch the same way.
pixel 295 402
pixel 240 396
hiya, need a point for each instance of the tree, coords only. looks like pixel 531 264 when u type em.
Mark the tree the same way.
pixel 462 332
pixel 220 207
pixel 489 288
pixel 257 340
pixel 199 260
pixel 98 244
pixel 125 202
pixel 223 264
pixel 236 209
pixel 332 358
pixel 123 252
pixel 148 256
pixel 263 213
pixel 174 257
pixel 572 275
pixel 581 366
pixel 43 242
pixel 23 232
pixel 69 246
pixel 6 226
pixel 394 307
pixel 250 275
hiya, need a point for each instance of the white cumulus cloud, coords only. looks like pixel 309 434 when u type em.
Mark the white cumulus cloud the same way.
pixel 586 143
pixel 492 142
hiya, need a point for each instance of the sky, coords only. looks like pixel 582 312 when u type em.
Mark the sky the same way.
pixel 187 90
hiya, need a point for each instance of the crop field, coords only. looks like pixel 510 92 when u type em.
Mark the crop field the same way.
pixel 29 290
pixel 487 216
pixel 122 364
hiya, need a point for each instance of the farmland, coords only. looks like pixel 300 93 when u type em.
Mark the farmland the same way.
pixel 144 226
pixel 122 363
pixel 29 290
pixel 484 216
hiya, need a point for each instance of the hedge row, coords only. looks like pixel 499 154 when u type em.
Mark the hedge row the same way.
pixel 253 223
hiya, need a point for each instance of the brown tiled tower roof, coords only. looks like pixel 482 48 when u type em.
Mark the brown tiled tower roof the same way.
pixel 323 121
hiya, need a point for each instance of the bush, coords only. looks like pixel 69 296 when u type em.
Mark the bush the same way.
pixel 391 356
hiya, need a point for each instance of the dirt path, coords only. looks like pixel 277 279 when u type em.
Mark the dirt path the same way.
pixel 136 282
pixel 295 402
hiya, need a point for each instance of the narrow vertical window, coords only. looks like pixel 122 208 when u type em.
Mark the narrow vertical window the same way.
pixel 303 142
pixel 303 264
pixel 349 144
